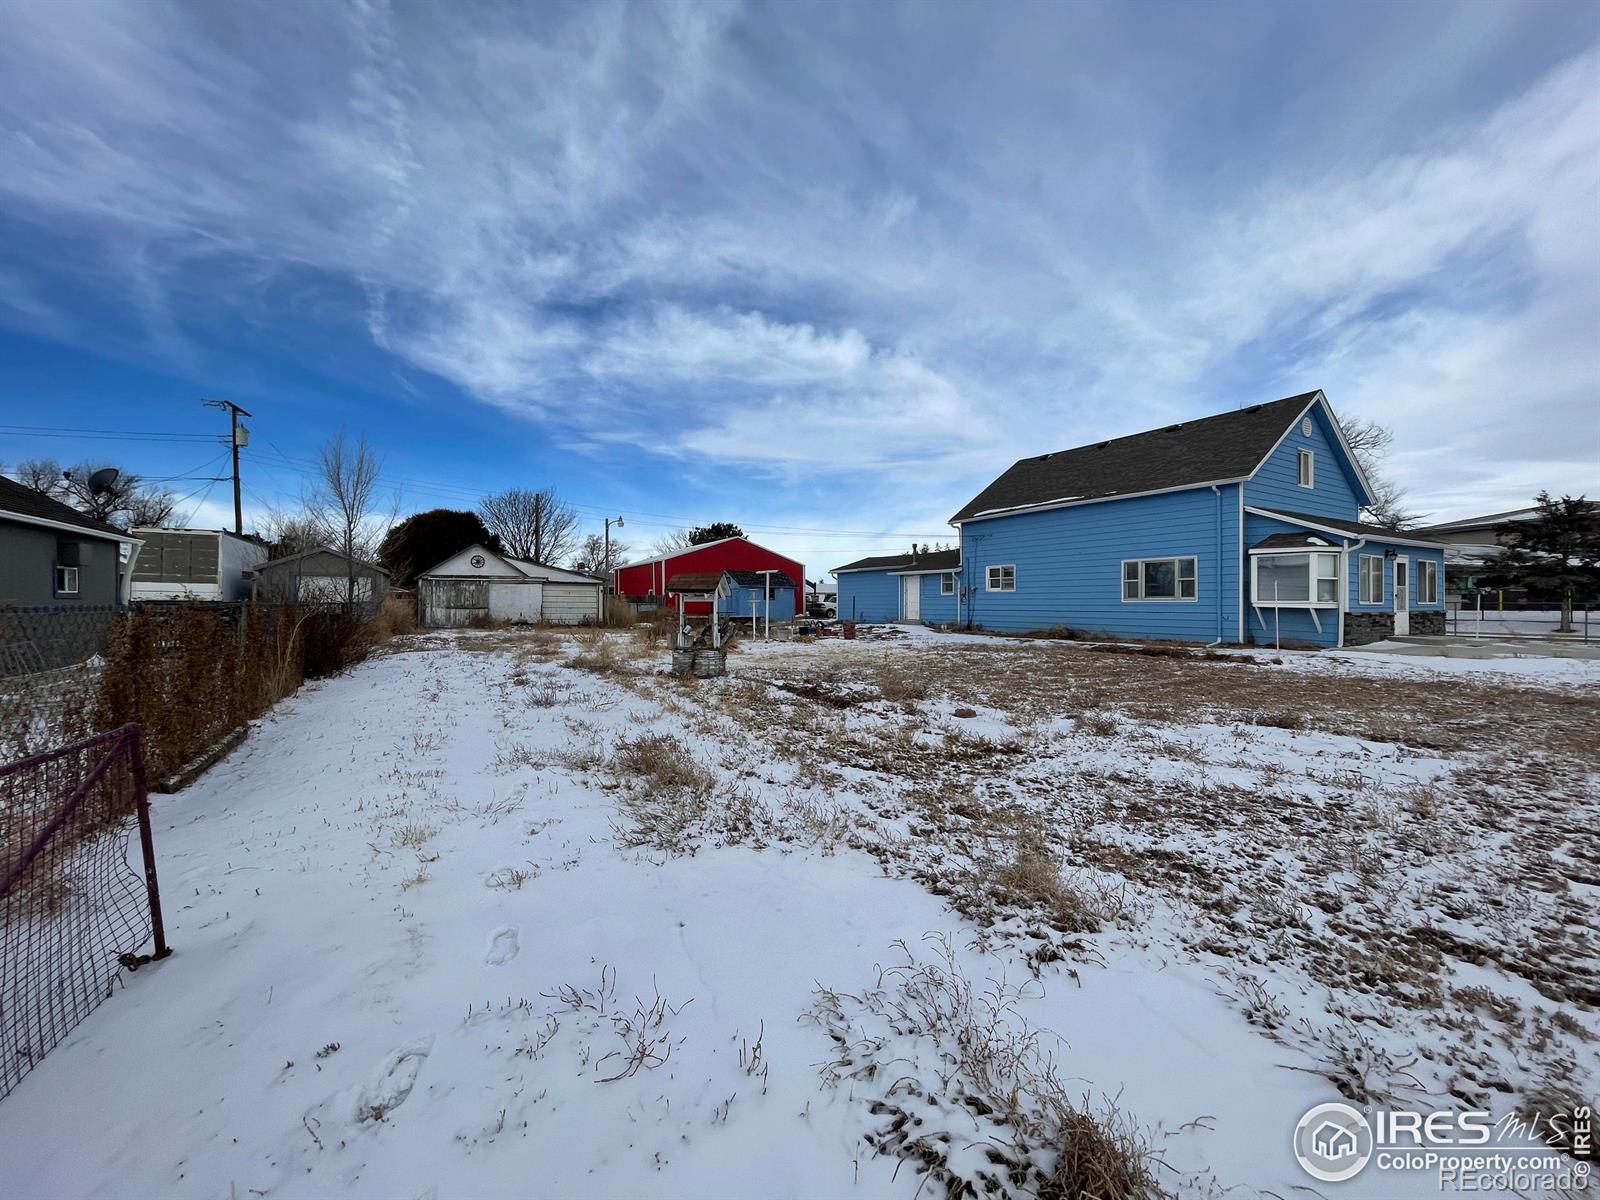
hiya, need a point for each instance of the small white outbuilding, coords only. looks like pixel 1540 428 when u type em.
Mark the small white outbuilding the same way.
pixel 477 584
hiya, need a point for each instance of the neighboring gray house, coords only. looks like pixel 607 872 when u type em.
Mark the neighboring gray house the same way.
pixel 53 555
pixel 320 576
pixel 476 584
pixel 195 564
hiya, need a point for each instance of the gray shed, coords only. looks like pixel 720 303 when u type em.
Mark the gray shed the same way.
pixel 320 576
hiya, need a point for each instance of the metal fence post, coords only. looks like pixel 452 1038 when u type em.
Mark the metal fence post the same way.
pixel 146 841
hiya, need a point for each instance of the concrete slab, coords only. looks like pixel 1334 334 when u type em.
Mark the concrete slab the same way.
pixel 1476 648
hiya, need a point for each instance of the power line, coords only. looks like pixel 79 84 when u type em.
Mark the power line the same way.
pixel 129 435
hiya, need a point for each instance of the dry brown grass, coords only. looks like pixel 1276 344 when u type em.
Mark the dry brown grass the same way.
pixel 1030 875
pixel 986 1067
pixel 395 618
pixel 660 761
pixel 901 681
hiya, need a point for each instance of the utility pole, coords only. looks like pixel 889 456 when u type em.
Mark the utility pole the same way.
pixel 609 522
pixel 238 436
pixel 611 575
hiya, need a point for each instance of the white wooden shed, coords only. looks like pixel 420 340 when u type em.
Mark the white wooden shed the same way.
pixel 477 584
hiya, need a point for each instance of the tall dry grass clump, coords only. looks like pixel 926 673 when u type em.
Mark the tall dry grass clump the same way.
pixel 396 617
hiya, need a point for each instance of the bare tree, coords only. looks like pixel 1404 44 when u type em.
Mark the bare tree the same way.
pixel 671 543
pixel 40 474
pixel 591 555
pixel 534 525
pixel 345 501
pixel 152 508
pixel 1370 442
pixel 292 532
pixel 108 502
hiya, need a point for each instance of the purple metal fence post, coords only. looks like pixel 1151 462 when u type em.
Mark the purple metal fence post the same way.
pixel 146 841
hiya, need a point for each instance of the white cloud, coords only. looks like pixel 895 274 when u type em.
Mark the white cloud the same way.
pixel 644 226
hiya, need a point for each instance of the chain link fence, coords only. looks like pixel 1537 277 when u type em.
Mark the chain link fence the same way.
pixel 74 912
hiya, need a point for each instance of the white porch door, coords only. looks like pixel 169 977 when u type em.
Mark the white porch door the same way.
pixel 1402 596
pixel 911 597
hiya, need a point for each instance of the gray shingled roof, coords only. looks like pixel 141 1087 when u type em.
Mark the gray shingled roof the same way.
pixel 1227 446
pixel 936 560
pixel 1295 541
pixel 1359 528
pixel 25 502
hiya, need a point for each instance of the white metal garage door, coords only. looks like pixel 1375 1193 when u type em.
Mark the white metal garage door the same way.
pixel 571 603
pixel 514 601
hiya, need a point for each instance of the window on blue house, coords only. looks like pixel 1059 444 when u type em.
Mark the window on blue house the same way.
pixel 1158 579
pixel 1002 579
pixel 1372 579
pixel 947 585
pixel 1427 582
pixel 1308 469
pixel 1296 579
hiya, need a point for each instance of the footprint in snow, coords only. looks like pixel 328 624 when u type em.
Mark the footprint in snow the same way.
pixel 391 1081
pixel 503 947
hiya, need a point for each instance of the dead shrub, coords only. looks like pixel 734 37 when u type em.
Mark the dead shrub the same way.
pixel 412 836
pixel 997 1087
pixel 660 760
pixel 1098 723
pixel 1281 719
pixel 395 618
pixel 1031 875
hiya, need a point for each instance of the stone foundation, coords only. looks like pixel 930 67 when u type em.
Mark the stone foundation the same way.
pixel 1428 624
pixel 1363 627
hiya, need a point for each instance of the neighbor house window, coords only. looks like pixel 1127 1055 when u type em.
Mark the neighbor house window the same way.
pixel 66 581
pixel 1003 579
pixel 1158 579
pixel 1372 579
pixel 1296 579
pixel 1427 582
pixel 947 585
pixel 1308 468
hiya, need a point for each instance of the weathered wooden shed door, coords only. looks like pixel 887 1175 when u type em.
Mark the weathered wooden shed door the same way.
pixel 447 603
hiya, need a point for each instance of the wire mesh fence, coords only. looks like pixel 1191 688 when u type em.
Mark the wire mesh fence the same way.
pixel 74 912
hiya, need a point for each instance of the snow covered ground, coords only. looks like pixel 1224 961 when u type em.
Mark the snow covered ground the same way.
pixel 513 913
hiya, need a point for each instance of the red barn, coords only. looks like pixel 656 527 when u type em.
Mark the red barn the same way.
pixel 647 580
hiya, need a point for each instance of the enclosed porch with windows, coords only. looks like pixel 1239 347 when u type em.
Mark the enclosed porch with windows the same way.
pixel 1321 582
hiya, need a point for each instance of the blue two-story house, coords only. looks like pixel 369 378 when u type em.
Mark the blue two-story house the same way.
pixel 1240 527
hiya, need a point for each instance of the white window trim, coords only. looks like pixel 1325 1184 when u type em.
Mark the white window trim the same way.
pixel 947 584
pixel 1306 468
pixel 989 577
pixel 1361 595
pixel 1427 569
pixel 57 581
pixel 1141 598
pixel 1257 600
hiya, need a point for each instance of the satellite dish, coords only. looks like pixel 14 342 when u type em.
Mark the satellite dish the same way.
pixel 103 480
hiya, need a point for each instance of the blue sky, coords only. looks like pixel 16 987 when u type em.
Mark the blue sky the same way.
pixel 823 270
